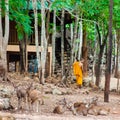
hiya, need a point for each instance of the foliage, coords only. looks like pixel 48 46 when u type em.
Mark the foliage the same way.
pixel 2 5
pixel 90 10
pixel 21 17
pixel 116 14
pixel 91 34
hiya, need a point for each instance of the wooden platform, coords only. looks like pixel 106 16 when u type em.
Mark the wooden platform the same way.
pixel 31 49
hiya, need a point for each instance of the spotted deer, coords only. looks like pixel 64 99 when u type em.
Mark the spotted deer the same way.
pixel 35 97
pixel 21 92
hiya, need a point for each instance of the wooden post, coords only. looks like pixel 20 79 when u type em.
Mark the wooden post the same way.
pixel 50 72
pixel 17 66
pixel 8 62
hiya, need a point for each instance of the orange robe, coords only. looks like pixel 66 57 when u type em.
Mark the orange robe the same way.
pixel 77 69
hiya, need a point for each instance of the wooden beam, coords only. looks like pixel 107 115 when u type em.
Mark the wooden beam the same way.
pixel 30 48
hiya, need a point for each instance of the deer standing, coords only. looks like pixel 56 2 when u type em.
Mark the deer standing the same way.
pixel 35 97
pixel 21 93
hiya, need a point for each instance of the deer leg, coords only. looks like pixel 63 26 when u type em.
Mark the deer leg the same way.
pixel 37 106
pixel 29 105
pixel 26 101
pixel 40 106
pixel 22 100
pixel 19 103
pixel 32 106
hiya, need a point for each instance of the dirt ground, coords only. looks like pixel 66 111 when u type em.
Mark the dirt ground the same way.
pixel 53 93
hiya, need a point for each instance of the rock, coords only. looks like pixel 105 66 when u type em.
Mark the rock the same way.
pixel 5 93
pixel 9 117
pixel 58 109
pixel 86 81
pixel 5 104
pixel 56 92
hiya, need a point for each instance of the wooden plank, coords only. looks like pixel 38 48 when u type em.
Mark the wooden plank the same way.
pixel 30 48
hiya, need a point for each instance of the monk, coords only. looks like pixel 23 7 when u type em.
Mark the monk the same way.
pixel 78 71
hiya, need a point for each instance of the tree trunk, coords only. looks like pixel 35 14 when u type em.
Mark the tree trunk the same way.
pixel 26 54
pixel 73 39
pixel 114 56
pixel 74 53
pixel 34 2
pixel 109 54
pixel 4 38
pixel 81 39
pixel 98 63
pixel 85 52
pixel 117 53
pixel 43 42
pixel 53 41
pixel 22 55
pixel 116 67
pixel 62 43
pixel 71 32
pixel 48 41
pixel 98 66
pixel 26 42
pixel 94 54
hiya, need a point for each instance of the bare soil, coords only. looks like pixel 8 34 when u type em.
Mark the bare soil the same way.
pixel 72 94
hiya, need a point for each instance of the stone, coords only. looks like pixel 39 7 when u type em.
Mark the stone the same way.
pixel 5 104
pixel 58 110
pixel 56 92
pixel 8 117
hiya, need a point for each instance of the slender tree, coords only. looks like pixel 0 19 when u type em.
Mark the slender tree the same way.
pixel 85 50
pixel 101 44
pixel 34 2
pixel 62 41
pixel 43 42
pixel 109 54
pixel 81 39
pixel 117 52
pixel 4 33
pixel 53 41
